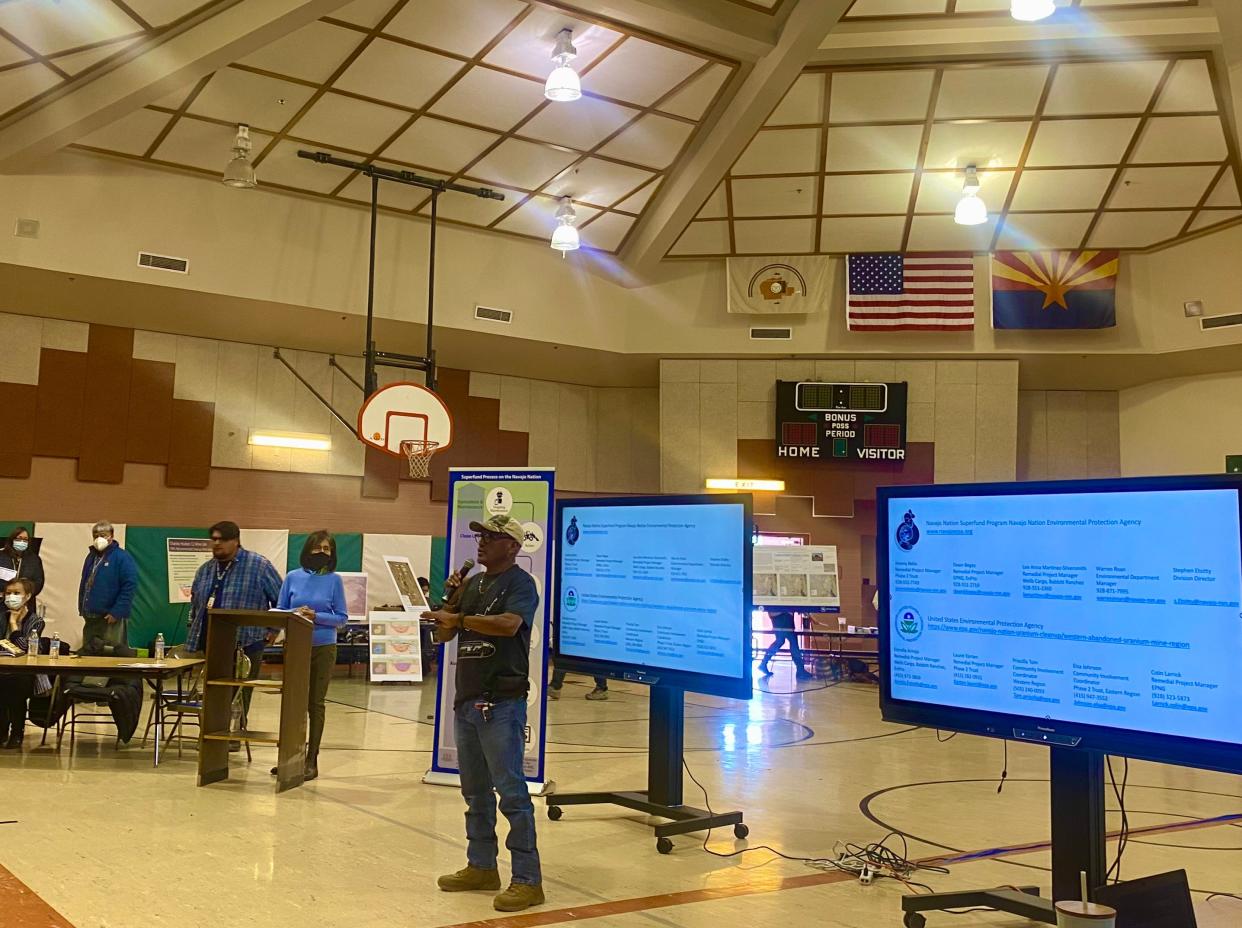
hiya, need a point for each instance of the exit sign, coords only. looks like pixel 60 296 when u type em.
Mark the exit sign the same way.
pixel 1233 463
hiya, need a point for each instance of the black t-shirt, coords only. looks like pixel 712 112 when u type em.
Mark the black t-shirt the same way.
pixel 489 666
pixel 782 621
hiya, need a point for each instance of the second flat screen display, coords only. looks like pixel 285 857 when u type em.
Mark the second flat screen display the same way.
pixel 655 586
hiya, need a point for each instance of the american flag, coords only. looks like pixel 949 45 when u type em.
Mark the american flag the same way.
pixel 925 292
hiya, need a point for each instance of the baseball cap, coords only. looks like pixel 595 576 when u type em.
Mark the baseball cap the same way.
pixel 501 525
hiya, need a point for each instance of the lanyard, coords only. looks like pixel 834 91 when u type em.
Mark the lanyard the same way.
pixel 218 586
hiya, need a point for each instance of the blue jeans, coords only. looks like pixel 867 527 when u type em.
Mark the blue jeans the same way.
pixel 489 756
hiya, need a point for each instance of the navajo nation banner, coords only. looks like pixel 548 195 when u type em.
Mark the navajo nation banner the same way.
pixel 799 284
pixel 1054 289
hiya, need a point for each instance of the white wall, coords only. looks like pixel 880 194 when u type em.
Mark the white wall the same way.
pixel 1181 426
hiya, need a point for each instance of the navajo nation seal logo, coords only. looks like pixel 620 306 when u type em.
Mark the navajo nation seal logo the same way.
pixel 572 533
pixel 909 624
pixel 907 532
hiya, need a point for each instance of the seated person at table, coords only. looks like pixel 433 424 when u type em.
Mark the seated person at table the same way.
pixel 20 623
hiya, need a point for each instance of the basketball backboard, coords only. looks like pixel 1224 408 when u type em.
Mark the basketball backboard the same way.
pixel 404 412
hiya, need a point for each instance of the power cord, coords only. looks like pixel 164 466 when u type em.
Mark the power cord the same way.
pixel 868 862
pixel 1123 838
pixel 1004 769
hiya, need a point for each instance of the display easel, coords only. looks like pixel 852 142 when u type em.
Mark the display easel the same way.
pixel 1078 846
pixel 220 686
pixel 663 796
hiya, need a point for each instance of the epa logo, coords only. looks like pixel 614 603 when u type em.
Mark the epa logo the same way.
pixel 571 599
pixel 909 624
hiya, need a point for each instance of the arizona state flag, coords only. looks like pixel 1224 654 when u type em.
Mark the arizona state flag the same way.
pixel 1054 289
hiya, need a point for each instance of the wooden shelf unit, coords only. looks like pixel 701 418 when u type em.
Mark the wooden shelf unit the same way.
pixel 222 686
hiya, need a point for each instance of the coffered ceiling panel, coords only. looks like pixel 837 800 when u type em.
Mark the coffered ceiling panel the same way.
pixel 452 89
pixel 1044 231
pixel 1065 151
pixel 45 44
pixel 312 53
pixel 964 9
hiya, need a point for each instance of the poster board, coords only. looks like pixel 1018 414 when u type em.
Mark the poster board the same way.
pixel 382 593
pixel 355 583
pixel 476 494
pixel 800 578
pixel 405 581
pixel 185 556
pixel 396 652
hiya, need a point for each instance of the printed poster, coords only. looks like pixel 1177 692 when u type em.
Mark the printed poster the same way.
pixel 801 578
pixel 476 495
pixel 185 557
pixel 396 647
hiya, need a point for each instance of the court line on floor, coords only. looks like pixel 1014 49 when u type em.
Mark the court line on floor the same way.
pixel 758 887
pixel 664 900
pixel 20 907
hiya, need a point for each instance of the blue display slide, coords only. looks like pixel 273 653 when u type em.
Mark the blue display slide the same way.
pixel 1114 609
pixel 655 586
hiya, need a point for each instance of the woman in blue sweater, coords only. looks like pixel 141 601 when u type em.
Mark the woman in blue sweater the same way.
pixel 316 592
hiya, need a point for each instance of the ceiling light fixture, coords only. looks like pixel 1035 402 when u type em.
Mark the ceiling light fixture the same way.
pixel 1030 11
pixel 239 172
pixel 563 85
pixel 971 211
pixel 565 238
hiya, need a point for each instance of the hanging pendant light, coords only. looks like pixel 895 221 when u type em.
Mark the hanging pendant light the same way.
pixel 239 172
pixel 565 236
pixel 971 210
pixel 563 84
pixel 1030 11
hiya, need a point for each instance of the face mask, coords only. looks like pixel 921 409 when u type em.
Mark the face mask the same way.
pixel 317 561
pixel 101 543
pixel 14 600
pixel 20 546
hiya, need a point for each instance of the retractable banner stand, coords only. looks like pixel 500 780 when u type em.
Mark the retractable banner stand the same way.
pixel 476 495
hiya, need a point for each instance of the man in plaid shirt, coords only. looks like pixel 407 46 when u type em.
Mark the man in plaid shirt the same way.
pixel 234 579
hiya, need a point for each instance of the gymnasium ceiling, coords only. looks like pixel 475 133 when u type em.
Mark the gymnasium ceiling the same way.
pixel 707 127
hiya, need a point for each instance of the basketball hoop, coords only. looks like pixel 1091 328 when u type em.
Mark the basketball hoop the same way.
pixel 418 452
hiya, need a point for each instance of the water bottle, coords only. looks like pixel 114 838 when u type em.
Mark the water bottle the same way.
pixel 32 646
pixel 54 651
pixel 159 647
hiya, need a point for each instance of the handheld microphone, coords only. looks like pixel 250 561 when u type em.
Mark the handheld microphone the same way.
pixel 455 593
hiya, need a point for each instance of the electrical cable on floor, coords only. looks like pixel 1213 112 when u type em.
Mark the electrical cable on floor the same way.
pixel 952 735
pixel 1004 770
pixel 1123 837
pixel 867 862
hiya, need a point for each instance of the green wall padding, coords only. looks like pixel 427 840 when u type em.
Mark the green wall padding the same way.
pixel 153 613
pixel 437 572
pixel 6 527
pixel 348 551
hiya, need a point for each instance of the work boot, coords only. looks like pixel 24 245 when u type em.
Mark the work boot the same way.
pixel 763 669
pixel 519 896
pixel 311 771
pixel 470 879
pixel 554 693
pixel 597 694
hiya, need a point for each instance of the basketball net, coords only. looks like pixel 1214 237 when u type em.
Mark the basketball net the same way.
pixel 418 452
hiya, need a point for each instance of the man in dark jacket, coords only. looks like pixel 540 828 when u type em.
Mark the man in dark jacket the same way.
pixel 106 593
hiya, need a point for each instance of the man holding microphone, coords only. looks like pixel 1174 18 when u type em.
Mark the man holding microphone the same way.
pixel 491 615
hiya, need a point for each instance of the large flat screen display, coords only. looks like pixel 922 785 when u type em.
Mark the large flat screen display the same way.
pixel 656 590
pixel 1100 614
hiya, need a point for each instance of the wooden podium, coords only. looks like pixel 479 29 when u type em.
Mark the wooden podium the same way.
pixel 220 687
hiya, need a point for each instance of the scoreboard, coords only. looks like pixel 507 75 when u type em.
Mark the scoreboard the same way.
pixel 841 421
